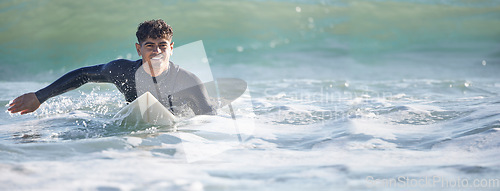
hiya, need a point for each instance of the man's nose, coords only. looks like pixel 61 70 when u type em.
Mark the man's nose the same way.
pixel 157 49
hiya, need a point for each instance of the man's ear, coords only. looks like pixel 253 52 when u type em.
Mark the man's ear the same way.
pixel 171 47
pixel 138 48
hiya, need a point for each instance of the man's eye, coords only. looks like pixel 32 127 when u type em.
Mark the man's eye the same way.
pixel 149 46
pixel 163 46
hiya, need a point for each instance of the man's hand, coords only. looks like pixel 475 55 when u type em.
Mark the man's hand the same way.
pixel 26 103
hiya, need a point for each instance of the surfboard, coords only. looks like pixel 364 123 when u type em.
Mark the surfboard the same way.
pixel 146 108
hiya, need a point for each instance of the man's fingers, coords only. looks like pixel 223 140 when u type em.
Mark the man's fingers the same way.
pixel 28 110
pixel 15 108
pixel 13 102
pixel 11 108
pixel 26 103
pixel 25 112
pixel 16 104
pixel 16 101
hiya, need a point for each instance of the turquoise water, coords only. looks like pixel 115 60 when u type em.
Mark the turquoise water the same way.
pixel 345 95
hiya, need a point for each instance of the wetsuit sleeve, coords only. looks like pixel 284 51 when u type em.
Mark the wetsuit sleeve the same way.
pixel 196 96
pixel 73 80
pixel 200 101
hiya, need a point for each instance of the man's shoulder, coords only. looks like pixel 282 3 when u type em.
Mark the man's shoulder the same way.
pixel 185 74
pixel 122 64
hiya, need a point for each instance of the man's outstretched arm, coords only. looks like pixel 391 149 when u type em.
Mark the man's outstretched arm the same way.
pixel 30 102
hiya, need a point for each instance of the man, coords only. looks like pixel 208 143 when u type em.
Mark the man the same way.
pixel 176 88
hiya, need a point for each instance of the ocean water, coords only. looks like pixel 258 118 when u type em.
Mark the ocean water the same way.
pixel 342 95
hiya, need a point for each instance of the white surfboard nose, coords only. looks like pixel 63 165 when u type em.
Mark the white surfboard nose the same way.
pixel 148 109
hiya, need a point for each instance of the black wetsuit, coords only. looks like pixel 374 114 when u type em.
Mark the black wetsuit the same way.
pixel 186 88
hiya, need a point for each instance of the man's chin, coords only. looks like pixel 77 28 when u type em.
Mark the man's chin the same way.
pixel 158 67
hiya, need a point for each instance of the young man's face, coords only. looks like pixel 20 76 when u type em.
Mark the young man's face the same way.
pixel 151 48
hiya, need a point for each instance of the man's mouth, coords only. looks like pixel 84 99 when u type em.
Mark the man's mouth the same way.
pixel 157 57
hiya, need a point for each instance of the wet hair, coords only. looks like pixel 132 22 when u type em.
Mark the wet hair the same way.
pixel 154 29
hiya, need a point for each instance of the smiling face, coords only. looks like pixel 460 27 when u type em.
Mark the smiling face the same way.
pixel 155 54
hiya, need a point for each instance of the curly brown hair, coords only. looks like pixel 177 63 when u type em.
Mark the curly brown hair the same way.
pixel 154 29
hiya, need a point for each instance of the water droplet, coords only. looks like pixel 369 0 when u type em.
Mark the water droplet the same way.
pixel 240 48
pixel 467 84
pixel 346 84
pixel 298 9
pixel 311 20
pixel 484 62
